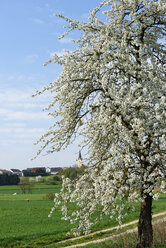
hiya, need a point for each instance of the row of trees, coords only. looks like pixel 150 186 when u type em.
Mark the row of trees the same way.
pixel 6 179
pixel 38 172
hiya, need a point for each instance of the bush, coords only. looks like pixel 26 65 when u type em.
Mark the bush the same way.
pixel 52 180
pixel 39 179
pixel 49 197
pixel 31 179
pixel 57 178
pixel 73 172
pixel 25 185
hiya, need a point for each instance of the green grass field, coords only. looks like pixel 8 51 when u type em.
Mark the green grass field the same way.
pixel 26 224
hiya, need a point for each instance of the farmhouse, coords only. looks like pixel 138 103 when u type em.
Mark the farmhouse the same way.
pixel 35 169
pixel 8 172
pixel 16 172
pixel 54 171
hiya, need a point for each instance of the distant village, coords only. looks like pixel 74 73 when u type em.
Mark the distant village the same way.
pixel 35 171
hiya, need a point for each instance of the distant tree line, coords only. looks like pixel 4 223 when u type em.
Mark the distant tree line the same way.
pixel 39 172
pixel 6 179
pixel 73 172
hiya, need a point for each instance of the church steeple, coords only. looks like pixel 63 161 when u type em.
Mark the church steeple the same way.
pixel 79 156
pixel 79 160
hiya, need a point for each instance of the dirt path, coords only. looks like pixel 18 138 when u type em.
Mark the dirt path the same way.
pixel 110 229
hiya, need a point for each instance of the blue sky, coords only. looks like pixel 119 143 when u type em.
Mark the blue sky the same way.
pixel 29 35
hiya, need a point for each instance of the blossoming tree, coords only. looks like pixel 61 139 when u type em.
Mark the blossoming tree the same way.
pixel 112 92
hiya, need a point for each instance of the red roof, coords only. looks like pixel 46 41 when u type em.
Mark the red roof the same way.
pixel 38 168
pixel 6 171
pixel 15 170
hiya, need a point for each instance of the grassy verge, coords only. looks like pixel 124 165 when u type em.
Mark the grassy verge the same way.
pixel 96 237
pixel 129 240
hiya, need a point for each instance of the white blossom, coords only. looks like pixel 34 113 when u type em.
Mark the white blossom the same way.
pixel 114 85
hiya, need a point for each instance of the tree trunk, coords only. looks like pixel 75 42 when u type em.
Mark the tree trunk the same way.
pixel 145 230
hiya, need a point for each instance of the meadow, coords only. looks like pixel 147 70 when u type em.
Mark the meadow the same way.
pixel 26 224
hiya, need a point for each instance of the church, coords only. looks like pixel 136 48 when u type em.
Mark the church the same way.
pixel 79 160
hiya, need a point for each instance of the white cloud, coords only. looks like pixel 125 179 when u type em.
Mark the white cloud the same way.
pixel 20 136
pixel 18 105
pixel 12 115
pixel 85 16
pixel 13 95
pixel 59 53
pixel 26 105
pixel 32 58
pixel 19 77
pixel 22 121
pixel 65 40
pixel 21 98
pixel 16 124
pixel 16 79
pixel 11 78
pixel 22 132
pixel 7 142
pixel 38 21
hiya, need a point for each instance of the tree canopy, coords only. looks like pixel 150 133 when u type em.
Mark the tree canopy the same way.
pixel 112 92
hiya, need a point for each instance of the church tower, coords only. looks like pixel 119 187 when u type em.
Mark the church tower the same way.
pixel 79 160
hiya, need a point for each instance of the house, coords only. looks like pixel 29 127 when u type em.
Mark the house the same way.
pixel 8 172
pixel 16 172
pixel 48 170
pixel 35 169
pixel 54 171
pixel 39 168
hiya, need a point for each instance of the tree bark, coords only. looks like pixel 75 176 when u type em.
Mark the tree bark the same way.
pixel 145 230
